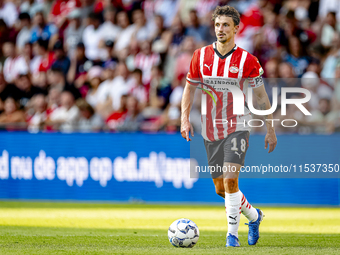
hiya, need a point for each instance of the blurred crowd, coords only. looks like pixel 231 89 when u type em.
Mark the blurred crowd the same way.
pixel 103 65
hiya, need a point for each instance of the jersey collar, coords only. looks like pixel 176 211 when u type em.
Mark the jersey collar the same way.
pixel 226 55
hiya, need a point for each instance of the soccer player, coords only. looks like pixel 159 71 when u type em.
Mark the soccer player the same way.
pixel 225 134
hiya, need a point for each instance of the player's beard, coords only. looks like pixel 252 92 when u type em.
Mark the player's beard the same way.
pixel 222 40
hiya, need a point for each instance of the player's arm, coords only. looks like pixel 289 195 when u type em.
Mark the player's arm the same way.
pixel 188 97
pixel 264 104
pixel 186 104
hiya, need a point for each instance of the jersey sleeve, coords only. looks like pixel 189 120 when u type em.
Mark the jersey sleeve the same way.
pixel 193 75
pixel 254 72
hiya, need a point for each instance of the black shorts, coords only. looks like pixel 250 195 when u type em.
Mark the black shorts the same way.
pixel 232 149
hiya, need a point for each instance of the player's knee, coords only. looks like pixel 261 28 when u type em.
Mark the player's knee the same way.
pixel 230 184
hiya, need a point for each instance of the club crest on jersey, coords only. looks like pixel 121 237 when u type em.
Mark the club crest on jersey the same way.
pixel 233 69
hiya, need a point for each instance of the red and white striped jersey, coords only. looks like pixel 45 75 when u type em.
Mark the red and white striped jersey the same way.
pixel 237 67
pixel 145 63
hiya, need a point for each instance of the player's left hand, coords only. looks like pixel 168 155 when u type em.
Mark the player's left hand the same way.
pixel 271 140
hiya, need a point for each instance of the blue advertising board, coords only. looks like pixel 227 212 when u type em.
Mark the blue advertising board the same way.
pixel 151 168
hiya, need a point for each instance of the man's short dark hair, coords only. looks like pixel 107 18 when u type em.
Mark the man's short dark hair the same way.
pixel 95 16
pixel 138 10
pixel 158 67
pixel 110 9
pixel 228 11
pixel 57 70
pixel 24 15
pixel 109 43
pixel 84 106
pixel 10 41
pixel 58 45
pixel 80 45
pixel 333 13
pixel 138 71
pixel 43 43
pixel 23 75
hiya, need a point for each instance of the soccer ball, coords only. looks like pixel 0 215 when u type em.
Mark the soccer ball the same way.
pixel 183 233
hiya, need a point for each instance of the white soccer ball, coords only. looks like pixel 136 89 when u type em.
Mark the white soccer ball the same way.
pixel 183 233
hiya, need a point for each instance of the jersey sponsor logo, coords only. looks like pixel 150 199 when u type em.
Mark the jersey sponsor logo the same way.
pixel 208 66
pixel 221 81
pixel 233 69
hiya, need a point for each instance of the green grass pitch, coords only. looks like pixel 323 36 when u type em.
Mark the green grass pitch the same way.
pixel 72 228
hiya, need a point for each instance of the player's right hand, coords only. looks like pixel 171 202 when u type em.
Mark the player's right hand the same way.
pixel 186 128
pixel 271 140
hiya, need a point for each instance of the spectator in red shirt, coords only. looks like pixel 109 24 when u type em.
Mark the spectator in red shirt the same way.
pixel 117 116
pixel 47 57
pixel 145 60
pixel 251 22
pixel 59 12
